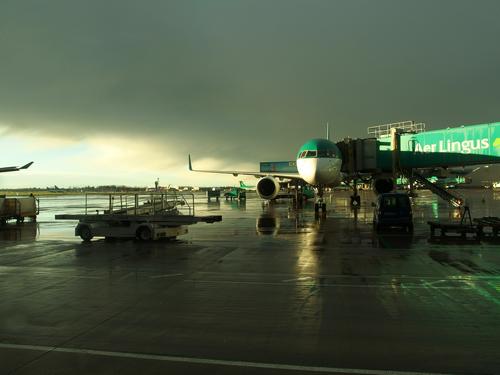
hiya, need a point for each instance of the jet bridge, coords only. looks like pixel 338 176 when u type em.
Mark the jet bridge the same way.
pixel 451 147
pixel 401 148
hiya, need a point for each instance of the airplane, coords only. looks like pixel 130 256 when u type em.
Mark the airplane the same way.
pixel 235 193
pixel 14 169
pixel 319 162
pixel 307 191
pixel 55 189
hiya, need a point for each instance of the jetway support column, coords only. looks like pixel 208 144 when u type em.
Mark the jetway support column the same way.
pixel 396 148
pixel 352 155
pixel 411 181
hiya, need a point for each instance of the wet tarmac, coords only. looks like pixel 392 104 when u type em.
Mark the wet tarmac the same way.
pixel 269 290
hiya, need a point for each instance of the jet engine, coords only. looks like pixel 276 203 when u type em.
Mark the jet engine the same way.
pixel 383 185
pixel 268 188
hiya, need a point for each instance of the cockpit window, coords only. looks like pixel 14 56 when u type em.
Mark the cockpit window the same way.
pixel 317 154
pixel 326 154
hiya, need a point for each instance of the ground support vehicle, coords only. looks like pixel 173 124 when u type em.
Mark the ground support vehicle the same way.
pixel 393 210
pixel 140 216
pixel 18 208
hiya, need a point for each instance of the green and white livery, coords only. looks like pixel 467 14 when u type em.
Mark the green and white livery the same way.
pixel 319 162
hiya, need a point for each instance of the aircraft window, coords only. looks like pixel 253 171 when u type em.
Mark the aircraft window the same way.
pixel 311 154
pixel 302 154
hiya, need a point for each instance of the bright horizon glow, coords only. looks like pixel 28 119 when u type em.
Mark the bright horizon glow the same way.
pixel 103 161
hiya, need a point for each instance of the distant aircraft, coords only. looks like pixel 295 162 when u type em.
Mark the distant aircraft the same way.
pixel 319 161
pixel 13 169
pixel 55 189
pixel 235 193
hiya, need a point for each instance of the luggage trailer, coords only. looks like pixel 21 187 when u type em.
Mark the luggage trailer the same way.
pixel 145 217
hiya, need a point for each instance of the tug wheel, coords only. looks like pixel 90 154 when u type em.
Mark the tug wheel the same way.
pixel 85 233
pixel 144 234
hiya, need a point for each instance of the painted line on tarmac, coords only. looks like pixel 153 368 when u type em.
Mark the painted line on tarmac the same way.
pixel 165 275
pixel 325 285
pixel 209 361
pixel 305 278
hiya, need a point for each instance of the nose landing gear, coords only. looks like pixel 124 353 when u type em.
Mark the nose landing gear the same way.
pixel 320 204
pixel 355 198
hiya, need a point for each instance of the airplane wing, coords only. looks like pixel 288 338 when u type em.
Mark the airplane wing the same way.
pixel 247 173
pixel 13 169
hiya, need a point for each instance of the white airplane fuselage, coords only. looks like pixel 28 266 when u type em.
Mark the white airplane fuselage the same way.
pixel 320 171
pixel 319 163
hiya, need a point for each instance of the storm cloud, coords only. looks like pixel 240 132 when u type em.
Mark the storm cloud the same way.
pixel 244 80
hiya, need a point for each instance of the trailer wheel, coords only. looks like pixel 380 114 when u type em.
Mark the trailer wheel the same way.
pixel 144 234
pixel 85 233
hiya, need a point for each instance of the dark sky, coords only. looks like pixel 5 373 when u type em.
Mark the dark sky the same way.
pixel 244 80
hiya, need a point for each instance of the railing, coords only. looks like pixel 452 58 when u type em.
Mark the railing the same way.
pixel 140 203
pixel 384 130
pixel 453 199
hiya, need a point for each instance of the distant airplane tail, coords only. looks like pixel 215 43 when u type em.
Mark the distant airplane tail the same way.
pixel 13 169
pixel 26 166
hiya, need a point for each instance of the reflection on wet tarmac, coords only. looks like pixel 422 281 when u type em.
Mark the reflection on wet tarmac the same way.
pixel 273 221
pixel 268 223
pixel 388 240
pixel 268 284
pixel 27 231
pixel 341 223
pixel 236 204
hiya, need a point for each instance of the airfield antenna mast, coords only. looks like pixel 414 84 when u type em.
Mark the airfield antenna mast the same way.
pixel 327 131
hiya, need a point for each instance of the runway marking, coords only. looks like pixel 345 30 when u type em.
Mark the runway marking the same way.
pixel 214 362
pixel 323 285
pixel 304 278
pixel 341 276
pixel 44 273
pixel 166 275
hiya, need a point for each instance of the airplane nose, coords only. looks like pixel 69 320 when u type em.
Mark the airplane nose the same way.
pixel 308 170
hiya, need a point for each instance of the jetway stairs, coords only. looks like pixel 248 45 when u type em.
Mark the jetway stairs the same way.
pixel 438 190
